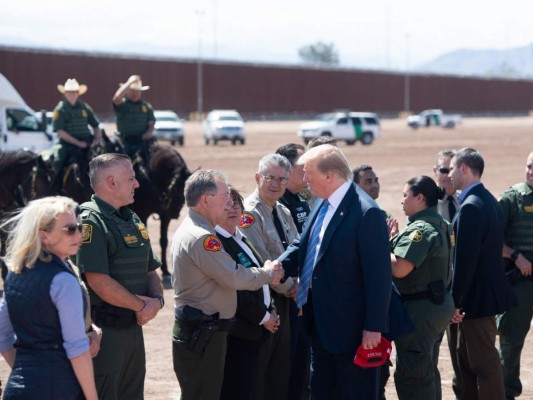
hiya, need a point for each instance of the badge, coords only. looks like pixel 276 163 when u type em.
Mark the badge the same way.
pixel 87 233
pixel 528 209
pixel 243 260
pixel 247 220
pixel 84 113
pixel 56 115
pixel 416 236
pixel 211 243
pixel 143 230
pixel 144 109
pixel 130 239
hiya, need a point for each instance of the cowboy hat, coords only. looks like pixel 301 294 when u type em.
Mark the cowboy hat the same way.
pixel 72 85
pixel 137 85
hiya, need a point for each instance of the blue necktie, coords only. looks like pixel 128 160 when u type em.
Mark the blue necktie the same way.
pixel 307 271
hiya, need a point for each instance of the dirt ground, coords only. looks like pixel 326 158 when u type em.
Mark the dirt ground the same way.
pixel 398 155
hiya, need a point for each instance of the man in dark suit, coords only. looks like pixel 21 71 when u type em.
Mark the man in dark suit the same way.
pixel 480 288
pixel 345 288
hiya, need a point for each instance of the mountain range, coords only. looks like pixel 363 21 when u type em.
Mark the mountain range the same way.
pixel 513 63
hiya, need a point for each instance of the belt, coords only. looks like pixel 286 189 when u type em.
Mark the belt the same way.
pixel 415 296
pixel 214 321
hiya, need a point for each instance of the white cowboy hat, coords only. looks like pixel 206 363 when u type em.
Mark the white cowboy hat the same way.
pixel 137 85
pixel 72 85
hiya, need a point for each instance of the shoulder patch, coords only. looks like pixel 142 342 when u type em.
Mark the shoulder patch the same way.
pixel 247 220
pixel 56 115
pixel 211 243
pixel 143 230
pixel 416 236
pixel 87 233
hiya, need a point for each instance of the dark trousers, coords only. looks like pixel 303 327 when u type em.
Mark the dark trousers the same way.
pixel 271 380
pixel 241 358
pixel 200 376
pixel 300 356
pixel 335 376
pixel 479 361
pixel 120 366
pixel 457 381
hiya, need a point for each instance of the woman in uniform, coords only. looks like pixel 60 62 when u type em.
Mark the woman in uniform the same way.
pixel 43 324
pixel 420 261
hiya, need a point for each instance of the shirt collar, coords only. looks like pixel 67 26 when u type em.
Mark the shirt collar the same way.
pixel 465 191
pixel 337 196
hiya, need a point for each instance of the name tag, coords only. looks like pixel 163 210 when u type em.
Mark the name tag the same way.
pixel 243 260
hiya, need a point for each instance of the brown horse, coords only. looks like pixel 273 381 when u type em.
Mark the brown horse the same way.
pixel 162 182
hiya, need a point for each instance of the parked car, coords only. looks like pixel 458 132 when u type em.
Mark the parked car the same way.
pixel 223 125
pixel 434 117
pixel 348 126
pixel 168 126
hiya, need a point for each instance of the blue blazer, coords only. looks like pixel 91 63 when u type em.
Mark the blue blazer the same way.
pixel 351 283
pixel 480 287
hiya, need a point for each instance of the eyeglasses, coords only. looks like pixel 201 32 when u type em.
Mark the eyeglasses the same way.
pixel 236 205
pixel 226 196
pixel 269 178
pixel 443 170
pixel 71 229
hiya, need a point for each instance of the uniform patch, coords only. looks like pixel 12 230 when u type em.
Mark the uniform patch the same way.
pixel 452 239
pixel 130 239
pixel 211 243
pixel 247 220
pixel 84 113
pixel 416 236
pixel 56 115
pixel 143 230
pixel 87 233
pixel 144 109
pixel 528 209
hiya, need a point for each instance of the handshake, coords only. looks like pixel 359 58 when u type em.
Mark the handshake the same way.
pixel 276 271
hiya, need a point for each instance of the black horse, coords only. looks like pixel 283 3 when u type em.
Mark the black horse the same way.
pixel 24 176
pixel 74 181
pixel 162 181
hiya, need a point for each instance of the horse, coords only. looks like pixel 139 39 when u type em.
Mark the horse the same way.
pixel 162 182
pixel 24 176
pixel 74 182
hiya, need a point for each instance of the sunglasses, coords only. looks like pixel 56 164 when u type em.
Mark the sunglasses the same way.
pixel 71 229
pixel 443 170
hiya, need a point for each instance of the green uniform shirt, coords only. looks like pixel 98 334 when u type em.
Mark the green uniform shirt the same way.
pixel 75 119
pixel 115 243
pixel 426 244
pixel 517 205
pixel 133 118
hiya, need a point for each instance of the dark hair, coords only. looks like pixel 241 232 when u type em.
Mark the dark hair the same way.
pixel 319 140
pixel 426 186
pixel 290 151
pixel 236 197
pixel 359 169
pixel 472 159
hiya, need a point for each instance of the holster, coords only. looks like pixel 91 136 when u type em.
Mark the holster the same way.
pixel 112 316
pixel 436 292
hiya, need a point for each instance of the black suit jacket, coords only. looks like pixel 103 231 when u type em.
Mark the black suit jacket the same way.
pixel 351 282
pixel 480 287
pixel 251 306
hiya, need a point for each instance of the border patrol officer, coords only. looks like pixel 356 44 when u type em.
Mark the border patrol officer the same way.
pixel 71 121
pixel 205 279
pixel 269 226
pixel 135 117
pixel 420 260
pixel 513 325
pixel 119 265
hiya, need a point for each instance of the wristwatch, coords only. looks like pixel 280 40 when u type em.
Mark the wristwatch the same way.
pixel 514 255
pixel 161 299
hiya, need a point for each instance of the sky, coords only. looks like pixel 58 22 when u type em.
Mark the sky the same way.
pixel 376 34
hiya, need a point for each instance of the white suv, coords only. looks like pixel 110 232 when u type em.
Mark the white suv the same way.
pixel 347 126
pixel 223 125
pixel 168 126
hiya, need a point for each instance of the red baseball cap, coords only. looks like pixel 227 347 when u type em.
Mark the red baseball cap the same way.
pixel 368 358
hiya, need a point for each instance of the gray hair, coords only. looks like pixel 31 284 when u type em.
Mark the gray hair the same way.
pixel 24 245
pixel 201 182
pixel 450 153
pixel 328 158
pixel 102 163
pixel 274 160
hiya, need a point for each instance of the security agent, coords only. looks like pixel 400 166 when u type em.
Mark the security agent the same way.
pixel 205 279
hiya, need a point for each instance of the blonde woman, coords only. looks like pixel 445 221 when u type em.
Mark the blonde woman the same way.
pixel 43 332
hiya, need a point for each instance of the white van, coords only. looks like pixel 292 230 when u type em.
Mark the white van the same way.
pixel 19 127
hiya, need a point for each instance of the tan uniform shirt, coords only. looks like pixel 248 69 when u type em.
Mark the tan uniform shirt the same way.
pixel 258 226
pixel 204 275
